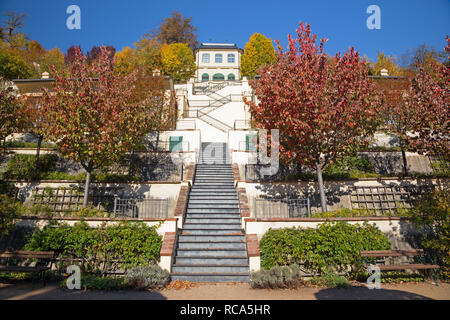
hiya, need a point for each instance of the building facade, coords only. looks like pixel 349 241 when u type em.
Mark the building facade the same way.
pixel 218 62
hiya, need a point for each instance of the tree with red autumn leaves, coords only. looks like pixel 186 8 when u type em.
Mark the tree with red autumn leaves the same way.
pixel 323 108
pixel 398 119
pixel 96 116
pixel 11 110
pixel 429 99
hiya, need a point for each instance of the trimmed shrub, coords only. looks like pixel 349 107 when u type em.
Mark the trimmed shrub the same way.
pixel 99 250
pixel 94 282
pixel 277 277
pixel 9 211
pixel 332 246
pixel 330 280
pixel 147 277
pixel 21 166
pixel 431 216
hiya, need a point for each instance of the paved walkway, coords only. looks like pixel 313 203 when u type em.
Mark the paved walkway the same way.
pixel 211 291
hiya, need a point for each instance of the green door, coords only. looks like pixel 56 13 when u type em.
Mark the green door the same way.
pixel 175 144
pixel 250 142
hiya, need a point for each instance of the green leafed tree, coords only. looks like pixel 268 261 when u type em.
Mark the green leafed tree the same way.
pixel 385 62
pixel 13 66
pixel 178 61
pixel 258 52
pixel 11 111
pixel 53 57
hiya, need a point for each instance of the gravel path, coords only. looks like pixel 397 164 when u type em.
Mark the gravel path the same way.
pixel 241 291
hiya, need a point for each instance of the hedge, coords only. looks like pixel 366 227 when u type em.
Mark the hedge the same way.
pixel 106 249
pixel 332 246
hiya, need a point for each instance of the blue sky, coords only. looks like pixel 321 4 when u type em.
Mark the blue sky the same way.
pixel 404 23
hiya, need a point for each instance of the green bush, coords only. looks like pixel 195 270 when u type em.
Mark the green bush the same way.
pixel 431 216
pixel 348 213
pixel 353 166
pixel 95 282
pixel 9 211
pixel 330 280
pixel 99 250
pixel 21 166
pixel 23 144
pixel 147 277
pixel 334 246
pixel 277 277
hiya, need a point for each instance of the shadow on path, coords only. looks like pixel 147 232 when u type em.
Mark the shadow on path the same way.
pixel 23 291
pixel 363 293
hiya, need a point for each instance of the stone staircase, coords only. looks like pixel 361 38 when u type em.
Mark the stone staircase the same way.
pixel 211 246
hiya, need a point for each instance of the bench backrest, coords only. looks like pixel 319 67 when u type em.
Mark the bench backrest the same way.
pixel 28 254
pixel 392 253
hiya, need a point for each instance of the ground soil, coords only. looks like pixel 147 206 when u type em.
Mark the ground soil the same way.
pixel 231 291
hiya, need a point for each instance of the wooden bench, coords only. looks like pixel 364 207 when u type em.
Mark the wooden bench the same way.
pixel 419 253
pixel 44 261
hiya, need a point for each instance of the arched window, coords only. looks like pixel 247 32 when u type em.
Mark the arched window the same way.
pixel 205 77
pixel 205 58
pixel 218 76
pixel 218 58
pixel 230 58
pixel 231 77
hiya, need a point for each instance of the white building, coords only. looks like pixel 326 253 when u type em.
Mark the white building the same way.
pixel 218 61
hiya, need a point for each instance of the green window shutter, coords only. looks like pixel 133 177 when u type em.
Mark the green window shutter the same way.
pixel 250 140
pixel 175 144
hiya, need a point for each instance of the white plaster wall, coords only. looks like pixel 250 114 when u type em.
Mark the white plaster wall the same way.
pixel 341 189
pixel 156 191
pixel 166 225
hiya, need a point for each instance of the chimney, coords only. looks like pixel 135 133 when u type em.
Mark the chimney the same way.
pixel 45 75
pixel 384 73
pixel 156 72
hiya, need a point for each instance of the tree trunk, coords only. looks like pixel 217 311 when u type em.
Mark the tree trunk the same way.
pixel 86 187
pixel 323 200
pixel 405 164
pixel 38 151
pixel 131 168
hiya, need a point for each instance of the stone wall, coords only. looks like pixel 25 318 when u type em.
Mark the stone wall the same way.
pixel 338 193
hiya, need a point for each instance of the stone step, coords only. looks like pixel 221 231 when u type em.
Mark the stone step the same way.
pixel 212 210
pixel 237 253
pixel 213 180
pixel 213 200
pixel 214 176
pixel 212 245
pixel 212 205
pixel 213 216
pixel 192 268
pixel 211 226
pixel 211 260
pixel 214 184
pixel 215 188
pixel 204 277
pixel 198 194
pixel 210 238
pixel 211 232
pixel 190 220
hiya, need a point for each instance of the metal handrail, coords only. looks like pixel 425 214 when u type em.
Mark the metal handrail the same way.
pixel 282 208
